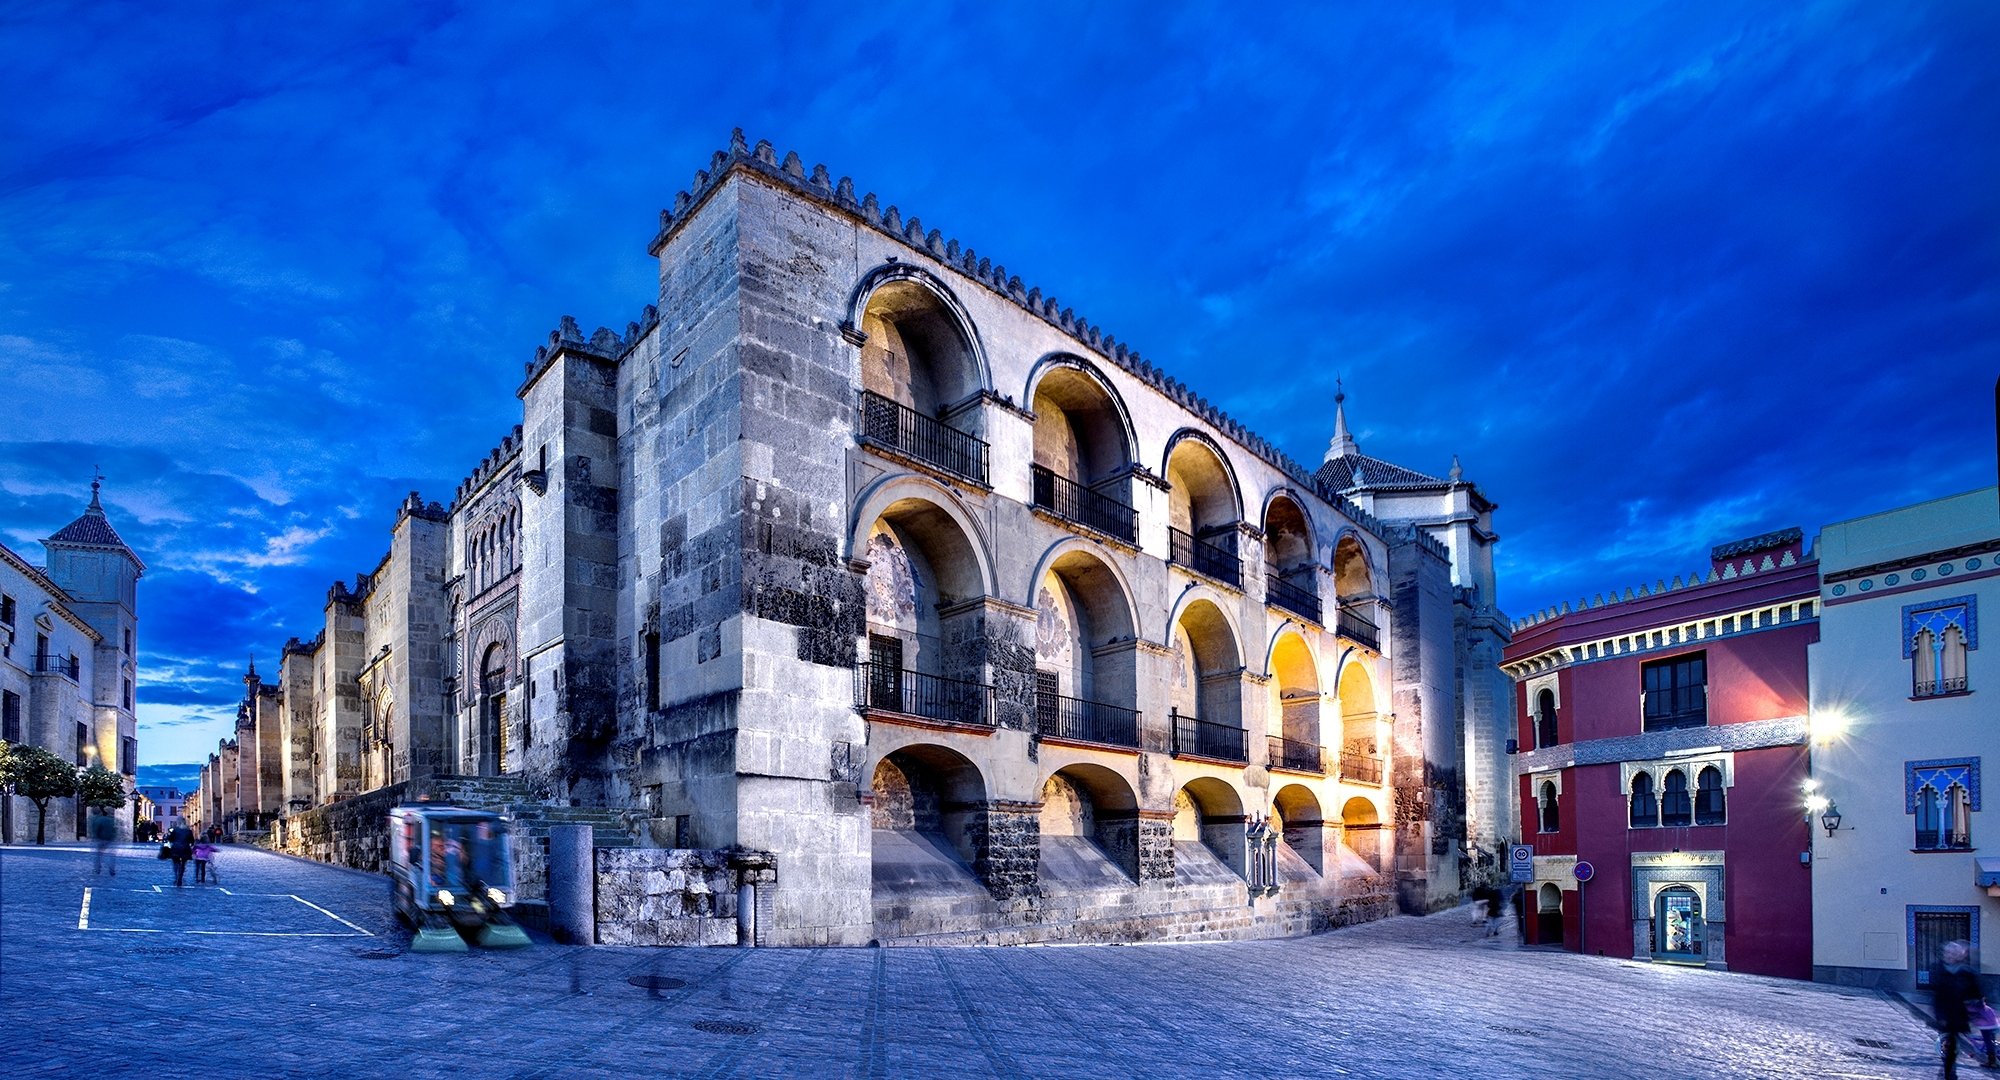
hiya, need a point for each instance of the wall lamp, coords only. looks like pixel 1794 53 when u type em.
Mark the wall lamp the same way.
pixel 1830 819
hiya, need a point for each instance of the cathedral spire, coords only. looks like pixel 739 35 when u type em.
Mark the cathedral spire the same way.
pixel 1343 444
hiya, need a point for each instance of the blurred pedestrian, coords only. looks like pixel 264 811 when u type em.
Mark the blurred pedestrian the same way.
pixel 180 845
pixel 103 833
pixel 1983 1018
pixel 204 863
pixel 1955 996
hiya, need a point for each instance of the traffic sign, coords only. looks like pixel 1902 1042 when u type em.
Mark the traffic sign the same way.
pixel 1584 870
pixel 1521 863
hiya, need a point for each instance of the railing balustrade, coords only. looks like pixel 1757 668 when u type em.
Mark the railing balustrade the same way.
pixel 1205 738
pixel 1071 501
pixel 1087 721
pixel 896 426
pixel 1279 591
pixel 1353 625
pixel 1204 556
pixel 1296 754
pixel 1361 768
pixel 1940 686
pixel 914 693
pixel 52 664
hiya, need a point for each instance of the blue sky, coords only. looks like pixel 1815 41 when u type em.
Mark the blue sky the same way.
pixel 1661 275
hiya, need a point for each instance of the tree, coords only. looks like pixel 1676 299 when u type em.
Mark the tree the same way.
pixel 100 787
pixel 38 776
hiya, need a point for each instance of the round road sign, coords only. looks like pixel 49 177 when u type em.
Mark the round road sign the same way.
pixel 1584 870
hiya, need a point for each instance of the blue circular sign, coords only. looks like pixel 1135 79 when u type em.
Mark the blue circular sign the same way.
pixel 1584 871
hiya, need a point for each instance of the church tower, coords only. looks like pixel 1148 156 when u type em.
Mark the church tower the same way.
pixel 89 561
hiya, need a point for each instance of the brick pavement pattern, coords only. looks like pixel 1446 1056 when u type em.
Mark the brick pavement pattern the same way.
pixel 139 994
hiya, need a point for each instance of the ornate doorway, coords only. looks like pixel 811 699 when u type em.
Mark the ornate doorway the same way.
pixel 493 711
pixel 1679 933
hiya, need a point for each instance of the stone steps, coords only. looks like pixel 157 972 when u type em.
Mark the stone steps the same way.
pixel 510 795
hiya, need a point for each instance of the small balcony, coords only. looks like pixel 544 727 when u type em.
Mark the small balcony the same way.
pixel 1086 721
pixel 1283 591
pixel 1361 769
pixel 898 428
pixel 51 664
pixel 1205 738
pixel 1297 755
pixel 1071 501
pixel 1357 627
pixel 1205 556
pixel 1940 687
pixel 913 693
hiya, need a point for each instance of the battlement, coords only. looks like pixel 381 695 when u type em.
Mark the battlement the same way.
pixel 494 461
pixel 1764 554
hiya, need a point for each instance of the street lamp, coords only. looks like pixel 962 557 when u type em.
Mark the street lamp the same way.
pixel 1830 819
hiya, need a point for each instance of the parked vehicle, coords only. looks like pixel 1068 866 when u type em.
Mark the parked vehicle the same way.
pixel 451 877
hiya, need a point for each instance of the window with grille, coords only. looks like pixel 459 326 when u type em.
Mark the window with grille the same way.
pixel 1048 688
pixel 885 672
pixel 10 716
pixel 1675 692
pixel 1936 637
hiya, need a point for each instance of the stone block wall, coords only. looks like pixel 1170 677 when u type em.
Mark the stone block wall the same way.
pixel 352 832
pixel 658 896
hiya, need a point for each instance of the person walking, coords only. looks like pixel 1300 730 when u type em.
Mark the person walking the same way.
pixel 103 833
pixel 1955 995
pixel 204 863
pixel 180 845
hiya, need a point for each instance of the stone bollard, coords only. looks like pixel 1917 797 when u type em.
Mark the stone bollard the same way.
pixel 573 884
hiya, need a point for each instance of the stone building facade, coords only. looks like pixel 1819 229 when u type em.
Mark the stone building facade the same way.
pixel 856 553
pixel 69 668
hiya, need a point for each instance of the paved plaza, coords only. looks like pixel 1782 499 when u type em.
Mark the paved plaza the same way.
pixel 298 970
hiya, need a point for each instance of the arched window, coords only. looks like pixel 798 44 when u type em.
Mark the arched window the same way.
pixel 1551 812
pixel 1674 805
pixel 1708 805
pixel 1645 805
pixel 1930 819
pixel 1936 639
pixel 1958 817
pixel 1545 718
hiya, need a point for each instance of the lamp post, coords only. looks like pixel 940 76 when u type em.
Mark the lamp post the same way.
pixel 1830 820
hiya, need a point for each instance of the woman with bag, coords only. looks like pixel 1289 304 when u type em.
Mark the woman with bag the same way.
pixel 179 846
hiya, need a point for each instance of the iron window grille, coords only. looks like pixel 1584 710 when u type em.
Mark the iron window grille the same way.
pixel 1206 738
pixel 1071 501
pixel 1939 687
pixel 895 426
pixel 1204 556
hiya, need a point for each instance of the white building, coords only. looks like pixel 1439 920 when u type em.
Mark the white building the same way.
pixel 1903 711
pixel 68 661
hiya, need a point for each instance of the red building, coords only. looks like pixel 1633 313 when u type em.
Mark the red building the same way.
pixel 1662 740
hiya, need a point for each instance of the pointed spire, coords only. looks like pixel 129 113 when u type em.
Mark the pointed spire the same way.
pixel 96 482
pixel 1343 444
pixel 1457 473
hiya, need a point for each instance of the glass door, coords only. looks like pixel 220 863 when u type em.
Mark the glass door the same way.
pixel 1679 933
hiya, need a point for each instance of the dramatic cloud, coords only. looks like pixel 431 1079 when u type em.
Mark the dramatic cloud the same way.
pixel 1661 277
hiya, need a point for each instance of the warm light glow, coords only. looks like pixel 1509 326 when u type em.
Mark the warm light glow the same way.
pixel 1811 785
pixel 1827 724
pixel 496 896
pixel 446 898
pixel 1815 803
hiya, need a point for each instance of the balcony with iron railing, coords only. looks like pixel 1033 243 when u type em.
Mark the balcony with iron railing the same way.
pixel 1297 755
pixel 1355 625
pixel 1361 768
pixel 1280 590
pixel 914 693
pixel 1205 738
pixel 896 427
pixel 1071 501
pixel 51 664
pixel 1940 687
pixel 1061 717
pixel 1205 556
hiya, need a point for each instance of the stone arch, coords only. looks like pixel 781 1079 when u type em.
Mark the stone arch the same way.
pixel 1089 827
pixel 928 814
pixel 1204 497
pixel 1362 832
pixel 1208 830
pixel 1363 748
pixel 1301 824
pixel 894 492
pixel 1295 690
pixel 1289 542
pixel 922 348
pixel 1086 646
pixel 1083 431
pixel 1205 683
pixel 1353 570
pixel 495 673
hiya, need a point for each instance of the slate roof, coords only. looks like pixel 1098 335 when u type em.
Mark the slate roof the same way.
pixel 1376 474
pixel 91 528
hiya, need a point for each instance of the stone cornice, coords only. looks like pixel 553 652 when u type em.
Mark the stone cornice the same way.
pixel 1648 745
pixel 61 599
pixel 1678 634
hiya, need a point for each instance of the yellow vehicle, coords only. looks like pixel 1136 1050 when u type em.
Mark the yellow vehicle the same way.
pixel 451 877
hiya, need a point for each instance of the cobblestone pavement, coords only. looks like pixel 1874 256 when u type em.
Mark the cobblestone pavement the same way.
pixel 166 982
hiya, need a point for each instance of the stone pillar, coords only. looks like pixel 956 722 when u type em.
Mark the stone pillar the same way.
pixel 573 884
pixel 1008 855
pixel 1156 846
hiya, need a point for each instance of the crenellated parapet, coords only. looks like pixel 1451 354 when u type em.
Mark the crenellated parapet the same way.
pixel 819 185
pixel 491 465
pixel 1732 562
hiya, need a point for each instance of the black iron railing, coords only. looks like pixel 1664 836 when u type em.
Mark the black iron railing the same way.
pixel 1350 623
pixel 914 693
pixel 1941 686
pixel 1296 754
pixel 51 664
pixel 1943 840
pixel 1297 599
pixel 1071 501
pixel 1205 556
pixel 1361 768
pixel 1089 721
pixel 1678 707
pixel 1208 739
pixel 896 426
